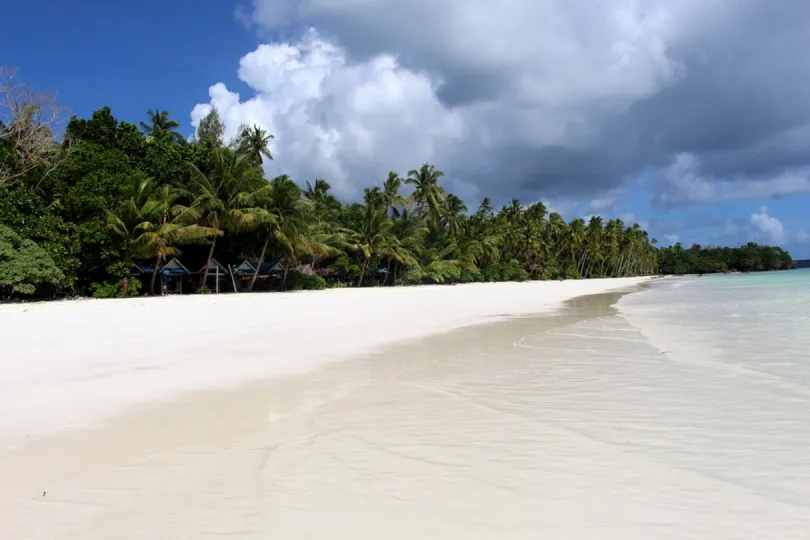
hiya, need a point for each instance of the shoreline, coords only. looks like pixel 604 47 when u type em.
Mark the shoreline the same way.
pixel 71 365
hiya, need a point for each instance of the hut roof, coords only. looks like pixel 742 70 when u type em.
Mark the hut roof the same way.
pixel 174 267
pixel 249 268
pixel 214 268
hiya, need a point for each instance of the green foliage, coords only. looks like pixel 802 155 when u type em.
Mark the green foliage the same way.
pixel 506 271
pixel 211 129
pixel 26 268
pixel 116 289
pixel 305 282
pixel 203 289
pixel 710 260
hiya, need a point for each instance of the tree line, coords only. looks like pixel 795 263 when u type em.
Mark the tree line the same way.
pixel 751 257
pixel 77 210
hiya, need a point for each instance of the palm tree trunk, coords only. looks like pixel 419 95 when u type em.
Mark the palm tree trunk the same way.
pixel 362 273
pixel 387 271
pixel 259 264
pixel 284 279
pixel 154 276
pixel 124 287
pixel 204 272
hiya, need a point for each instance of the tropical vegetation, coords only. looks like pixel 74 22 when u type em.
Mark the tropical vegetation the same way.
pixel 80 202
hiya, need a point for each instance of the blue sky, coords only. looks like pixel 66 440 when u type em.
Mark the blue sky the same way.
pixel 683 127
pixel 131 56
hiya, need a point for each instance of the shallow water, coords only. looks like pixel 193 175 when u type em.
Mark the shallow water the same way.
pixel 594 423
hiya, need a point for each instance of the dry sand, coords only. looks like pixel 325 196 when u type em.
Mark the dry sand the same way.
pixel 271 416
pixel 67 365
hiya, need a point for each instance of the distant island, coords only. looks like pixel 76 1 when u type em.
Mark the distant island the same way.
pixel 805 263
pixel 751 257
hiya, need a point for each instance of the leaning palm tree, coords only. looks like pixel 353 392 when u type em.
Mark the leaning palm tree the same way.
pixel 226 198
pixel 428 195
pixel 254 142
pixel 159 123
pixel 283 221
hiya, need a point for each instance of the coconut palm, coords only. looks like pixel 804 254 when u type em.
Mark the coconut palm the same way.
pixel 283 221
pixel 454 215
pixel 142 221
pixel 254 142
pixel 325 204
pixel 225 199
pixel 160 123
pixel 392 197
pixel 369 233
pixel 428 195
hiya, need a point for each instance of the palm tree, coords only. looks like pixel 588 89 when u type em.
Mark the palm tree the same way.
pixel 369 233
pixel 283 221
pixel 428 194
pixel 142 221
pixel 577 234
pixel 226 198
pixel 593 252
pixel 455 210
pixel 393 199
pixel 325 204
pixel 159 123
pixel 410 231
pixel 254 142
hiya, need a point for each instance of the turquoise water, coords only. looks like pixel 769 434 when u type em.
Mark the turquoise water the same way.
pixel 757 325
pixel 734 362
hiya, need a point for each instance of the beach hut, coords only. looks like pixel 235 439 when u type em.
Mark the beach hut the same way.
pixel 244 272
pixel 216 272
pixel 172 275
pixel 137 270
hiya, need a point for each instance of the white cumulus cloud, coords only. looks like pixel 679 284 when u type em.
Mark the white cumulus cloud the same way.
pixel 349 123
pixel 767 226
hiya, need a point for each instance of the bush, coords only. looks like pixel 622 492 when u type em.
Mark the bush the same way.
pixel 468 276
pixel 26 268
pixel 306 282
pixel 115 289
pixel 203 289
pixel 503 271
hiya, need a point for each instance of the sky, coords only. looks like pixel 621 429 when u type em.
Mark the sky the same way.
pixel 690 117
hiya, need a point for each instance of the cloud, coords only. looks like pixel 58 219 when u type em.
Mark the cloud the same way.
pixel 671 239
pixel 769 227
pixel 683 183
pixel 347 122
pixel 548 99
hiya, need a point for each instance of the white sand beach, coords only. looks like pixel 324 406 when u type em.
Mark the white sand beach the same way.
pixel 67 365
pixel 377 413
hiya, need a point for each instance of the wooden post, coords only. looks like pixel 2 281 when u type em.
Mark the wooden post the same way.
pixel 233 280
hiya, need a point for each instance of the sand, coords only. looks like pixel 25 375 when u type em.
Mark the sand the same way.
pixel 68 365
pixel 313 415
